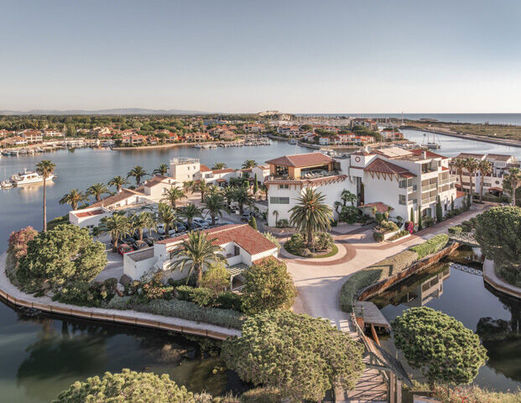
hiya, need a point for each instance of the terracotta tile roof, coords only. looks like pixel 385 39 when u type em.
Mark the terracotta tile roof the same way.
pixel 243 235
pixel 380 166
pixel 499 157
pixel 204 168
pixel 301 160
pixel 459 194
pixel 430 154
pixel 470 155
pixel 223 171
pixel 108 201
pixel 380 207
pixel 155 180
pixel 81 214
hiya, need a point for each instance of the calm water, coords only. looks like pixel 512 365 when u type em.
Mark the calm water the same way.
pixel 465 297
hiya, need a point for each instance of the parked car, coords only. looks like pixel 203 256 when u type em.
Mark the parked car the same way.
pixel 202 223
pixel 180 226
pixel 149 241
pixel 124 248
pixel 246 216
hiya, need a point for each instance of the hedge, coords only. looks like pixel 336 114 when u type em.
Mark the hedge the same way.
pixel 433 245
pixel 355 283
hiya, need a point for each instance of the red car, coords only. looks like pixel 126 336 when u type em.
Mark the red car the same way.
pixel 124 248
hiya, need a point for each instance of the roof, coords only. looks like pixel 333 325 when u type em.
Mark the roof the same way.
pixel 470 155
pixel 90 213
pixel 246 237
pixel 301 160
pixel 141 254
pixel 496 188
pixel 124 194
pixel 204 168
pixel 379 206
pixel 499 157
pixel 460 194
pixel 155 180
pixel 223 171
pixel 378 165
pixel 428 153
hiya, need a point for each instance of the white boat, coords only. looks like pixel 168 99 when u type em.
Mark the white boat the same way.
pixel 27 177
pixel 293 141
pixel 431 144
pixel 7 184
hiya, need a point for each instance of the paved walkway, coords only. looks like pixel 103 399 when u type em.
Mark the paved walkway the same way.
pixel 490 277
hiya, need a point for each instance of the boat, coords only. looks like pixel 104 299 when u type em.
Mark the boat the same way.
pixel 293 141
pixel 431 143
pixel 6 184
pixel 27 177
pixel 197 146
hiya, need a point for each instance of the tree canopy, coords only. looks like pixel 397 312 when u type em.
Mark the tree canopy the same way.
pixel 301 356
pixel 127 386
pixel 439 345
pixel 63 254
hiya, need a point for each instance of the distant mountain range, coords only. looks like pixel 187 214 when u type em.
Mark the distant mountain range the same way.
pixel 115 111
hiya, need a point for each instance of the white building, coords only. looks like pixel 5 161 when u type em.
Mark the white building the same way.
pixel 184 169
pixel 240 244
pixel 155 187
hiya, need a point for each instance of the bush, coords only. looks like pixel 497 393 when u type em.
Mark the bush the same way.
pixel 283 223
pixel 184 292
pixel 467 226
pixel 261 395
pixel 118 302
pixel 57 221
pixel 191 311
pixel 203 296
pixel 349 214
pixel 83 293
pixel 428 222
pixel 295 244
pixel 455 230
pixel 378 236
pixel 355 283
pixel 229 300
pixel 270 237
pixel 433 245
pixel 216 278
pixel 399 235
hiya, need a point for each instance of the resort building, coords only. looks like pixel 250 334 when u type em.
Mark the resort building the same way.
pixel 241 247
pixel 184 169
pixel 155 187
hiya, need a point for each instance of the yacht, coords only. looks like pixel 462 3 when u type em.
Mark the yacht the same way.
pixel 27 177
pixel 7 184
pixel 431 144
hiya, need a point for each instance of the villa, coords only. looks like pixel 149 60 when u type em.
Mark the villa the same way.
pixel 241 246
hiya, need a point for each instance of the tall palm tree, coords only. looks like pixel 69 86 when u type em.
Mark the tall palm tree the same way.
pixel 45 168
pixel 346 196
pixel 310 214
pixel 137 172
pixel 73 198
pixel 202 187
pixel 214 205
pixel 172 195
pixel 189 212
pixel 189 186
pixel 118 182
pixel 459 164
pixel 166 215
pixel 249 164
pixel 142 221
pixel 471 165
pixel 117 225
pixel 196 253
pixel 276 214
pixel 243 198
pixel 97 190
pixel 485 169
pixel 512 181
pixel 219 165
pixel 229 195
pixel 161 170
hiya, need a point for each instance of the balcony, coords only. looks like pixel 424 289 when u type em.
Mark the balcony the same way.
pixel 428 187
pixel 428 200
pixel 304 176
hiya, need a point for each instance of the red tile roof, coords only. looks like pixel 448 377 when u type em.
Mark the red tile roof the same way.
pixel 204 168
pixel 223 171
pixel 380 166
pixel 243 235
pixel 429 154
pixel 380 207
pixel 459 194
pixel 108 201
pixel 88 213
pixel 301 160
pixel 155 180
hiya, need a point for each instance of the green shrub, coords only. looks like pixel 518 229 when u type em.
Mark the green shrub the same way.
pixel 433 245
pixel 184 292
pixel 283 223
pixel 261 395
pixel 203 296
pixel 400 234
pixel 118 302
pixel 229 300
pixel 83 293
pixel 466 226
pixel 378 236
pixel 295 244
pixel 323 241
pixel 355 283
pixel 455 230
pixel 191 311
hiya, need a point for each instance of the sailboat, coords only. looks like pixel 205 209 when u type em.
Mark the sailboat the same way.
pixel 431 143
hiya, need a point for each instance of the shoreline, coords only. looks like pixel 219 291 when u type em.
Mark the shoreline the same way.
pixel 160 146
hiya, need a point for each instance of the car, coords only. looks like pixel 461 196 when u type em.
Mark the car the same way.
pixel 246 216
pixel 124 248
pixel 201 223
pixel 180 226
pixel 172 233
pixel 149 241
pixel 161 229
pixel 141 245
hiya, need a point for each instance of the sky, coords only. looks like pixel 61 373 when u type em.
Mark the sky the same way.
pixel 366 56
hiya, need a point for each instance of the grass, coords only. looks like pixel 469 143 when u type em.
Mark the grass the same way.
pixel 332 252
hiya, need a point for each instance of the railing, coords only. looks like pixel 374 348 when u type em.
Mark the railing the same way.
pixel 430 186
pixel 428 200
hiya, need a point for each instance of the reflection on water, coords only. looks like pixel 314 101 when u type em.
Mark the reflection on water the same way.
pixel 459 291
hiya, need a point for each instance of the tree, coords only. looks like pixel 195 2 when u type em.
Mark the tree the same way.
pixel 219 165
pixel 214 205
pixel 196 253
pixel 117 225
pixel 166 215
pixel 129 386
pixel 138 172
pixel 439 210
pixel 301 356
pixel 498 232
pixel 97 190
pixel 161 170
pixel 189 212
pixel 471 165
pixel 229 195
pixel 142 221
pixel 310 214
pixel 253 222
pixel 172 195
pixel 347 197
pixel 61 255
pixel 512 181
pixel 189 186
pixel 243 198
pixel 73 198
pixel 216 278
pixel 412 215
pixel 249 164
pixel 45 168
pixel 118 182
pixel 17 246
pixel 459 164
pixel 440 346
pixel 255 185
pixel 202 187
pixel 485 169
pixel 268 286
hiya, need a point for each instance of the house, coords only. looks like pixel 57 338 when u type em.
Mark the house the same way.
pixel 261 171
pixel 155 187
pixel 323 141
pixel 31 136
pixel 254 128
pixel 241 246
pixel 217 177
pixel 197 137
pixel 391 134
pixel 13 141
pixel 184 169
pixel 368 123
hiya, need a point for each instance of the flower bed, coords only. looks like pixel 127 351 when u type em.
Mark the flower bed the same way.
pixel 323 245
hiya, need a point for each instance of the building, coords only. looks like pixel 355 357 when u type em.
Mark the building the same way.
pixel 241 247
pixel 184 169
pixel 156 187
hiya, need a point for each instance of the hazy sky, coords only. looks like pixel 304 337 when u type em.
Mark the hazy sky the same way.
pixel 247 56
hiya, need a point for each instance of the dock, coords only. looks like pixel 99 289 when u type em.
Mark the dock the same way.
pixel 369 313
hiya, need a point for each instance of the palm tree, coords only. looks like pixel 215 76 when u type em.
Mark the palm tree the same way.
pixel 202 187
pixel 172 195
pixel 73 198
pixel 219 165
pixel 142 221
pixel 346 196
pixel 229 195
pixel 459 164
pixel 276 214
pixel 189 186
pixel 249 164
pixel 97 190
pixel 161 170
pixel 45 168
pixel 166 215
pixel 512 181
pixel 117 225
pixel 242 197
pixel 196 252
pixel 189 212
pixel 485 169
pixel 137 172
pixel 117 182
pixel 310 214
pixel 214 205
pixel 471 165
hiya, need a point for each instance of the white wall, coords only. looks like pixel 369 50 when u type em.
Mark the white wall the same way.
pixel 184 172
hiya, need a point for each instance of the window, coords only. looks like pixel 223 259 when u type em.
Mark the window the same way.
pixel 279 200
pixel 403 183
pixel 283 186
pixel 401 199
